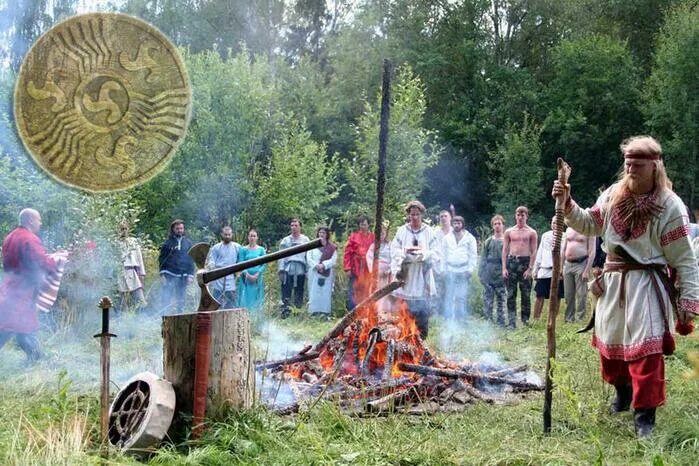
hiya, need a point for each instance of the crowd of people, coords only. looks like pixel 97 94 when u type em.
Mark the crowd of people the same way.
pixel 632 250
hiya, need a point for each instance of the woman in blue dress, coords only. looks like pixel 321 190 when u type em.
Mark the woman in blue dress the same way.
pixel 251 287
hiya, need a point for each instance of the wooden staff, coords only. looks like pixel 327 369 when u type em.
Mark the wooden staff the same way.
pixel 104 304
pixel 381 176
pixel 563 175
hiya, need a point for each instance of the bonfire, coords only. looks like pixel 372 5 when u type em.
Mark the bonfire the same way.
pixel 374 361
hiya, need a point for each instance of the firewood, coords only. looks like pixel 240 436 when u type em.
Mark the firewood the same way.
pixel 455 374
pixel 350 316
pixel 285 362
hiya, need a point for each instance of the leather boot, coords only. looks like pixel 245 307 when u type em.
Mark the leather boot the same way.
pixel 644 422
pixel 622 400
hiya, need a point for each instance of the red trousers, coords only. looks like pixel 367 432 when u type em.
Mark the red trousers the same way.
pixel 646 376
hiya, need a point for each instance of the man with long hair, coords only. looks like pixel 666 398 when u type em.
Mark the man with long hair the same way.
pixel 644 225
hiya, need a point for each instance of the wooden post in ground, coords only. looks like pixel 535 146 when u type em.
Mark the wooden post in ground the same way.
pixel 563 176
pixel 231 380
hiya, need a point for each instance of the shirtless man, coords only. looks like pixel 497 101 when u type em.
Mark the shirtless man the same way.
pixel 579 253
pixel 518 256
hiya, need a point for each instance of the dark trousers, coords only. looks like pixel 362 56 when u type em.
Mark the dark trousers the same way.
pixel 516 266
pixel 174 289
pixel 494 294
pixel 26 341
pixel 293 284
pixel 421 312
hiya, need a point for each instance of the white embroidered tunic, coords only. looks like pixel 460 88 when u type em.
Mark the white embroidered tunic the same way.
pixel 419 282
pixel 633 327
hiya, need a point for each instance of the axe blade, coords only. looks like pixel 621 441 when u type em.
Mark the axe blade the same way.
pixel 198 253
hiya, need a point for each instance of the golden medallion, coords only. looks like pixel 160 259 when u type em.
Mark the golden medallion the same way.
pixel 102 101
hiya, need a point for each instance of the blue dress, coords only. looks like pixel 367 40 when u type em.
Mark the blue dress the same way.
pixel 251 295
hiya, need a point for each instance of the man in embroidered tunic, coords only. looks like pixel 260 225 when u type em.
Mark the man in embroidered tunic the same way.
pixel 645 228
pixel 415 250
pixel 223 254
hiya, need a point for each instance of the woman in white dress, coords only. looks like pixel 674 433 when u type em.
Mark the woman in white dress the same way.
pixel 321 262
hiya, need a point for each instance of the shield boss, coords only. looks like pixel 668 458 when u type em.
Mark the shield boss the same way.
pixel 102 101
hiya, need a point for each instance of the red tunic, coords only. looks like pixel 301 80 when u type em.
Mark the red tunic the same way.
pixel 26 263
pixel 354 260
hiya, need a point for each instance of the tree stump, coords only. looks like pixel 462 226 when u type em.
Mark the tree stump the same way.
pixel 231 383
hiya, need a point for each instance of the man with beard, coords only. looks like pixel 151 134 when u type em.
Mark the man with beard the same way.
pixel 176 269
pixel 26 265
pixel 645 229
pixel 415 251
pixel 223 254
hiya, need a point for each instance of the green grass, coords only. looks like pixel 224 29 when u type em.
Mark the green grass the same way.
pixel 49 411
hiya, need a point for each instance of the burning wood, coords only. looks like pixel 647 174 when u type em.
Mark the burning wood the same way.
pixel 374 361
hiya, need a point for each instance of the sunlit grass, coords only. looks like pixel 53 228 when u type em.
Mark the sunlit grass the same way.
pixel 49 418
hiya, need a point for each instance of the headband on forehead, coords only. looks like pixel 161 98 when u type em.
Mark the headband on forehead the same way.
pixel 641 155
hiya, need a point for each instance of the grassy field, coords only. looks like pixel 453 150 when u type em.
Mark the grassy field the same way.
pixel 49 411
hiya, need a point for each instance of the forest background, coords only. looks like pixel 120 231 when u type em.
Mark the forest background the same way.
pixel 486 95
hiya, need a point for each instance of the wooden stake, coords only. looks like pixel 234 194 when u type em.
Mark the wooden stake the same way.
pixel 563 176
pixel 381 176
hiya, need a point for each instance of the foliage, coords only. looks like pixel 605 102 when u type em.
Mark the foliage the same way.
pixel 672 98
pixel 410 151
pixel 518 171
pixel 297 181
pixel 595 82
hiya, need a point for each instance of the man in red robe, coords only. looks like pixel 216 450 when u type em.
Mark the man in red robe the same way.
pixel 354 262
pixel 25 264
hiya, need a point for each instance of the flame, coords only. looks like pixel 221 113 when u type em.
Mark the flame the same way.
pixel 395 323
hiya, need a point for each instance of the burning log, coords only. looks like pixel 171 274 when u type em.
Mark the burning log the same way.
pixel 350 316
pixel 456 374
pixel 300 357
pixel 390 354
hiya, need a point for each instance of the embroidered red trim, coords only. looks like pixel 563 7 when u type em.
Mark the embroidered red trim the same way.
pixel 568 207
pixel 679 232
pixel 596 213
pixel 688 305
pixel 621 226
pixel 648 346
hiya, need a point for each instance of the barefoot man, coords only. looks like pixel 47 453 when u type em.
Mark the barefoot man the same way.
pixel 518 255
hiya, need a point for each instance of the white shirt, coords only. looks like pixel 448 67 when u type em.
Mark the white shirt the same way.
pixel 460 256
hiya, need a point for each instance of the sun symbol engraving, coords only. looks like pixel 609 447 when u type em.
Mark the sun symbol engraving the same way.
pixel 113 101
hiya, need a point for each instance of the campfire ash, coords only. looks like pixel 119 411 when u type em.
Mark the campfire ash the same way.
pixel 374 361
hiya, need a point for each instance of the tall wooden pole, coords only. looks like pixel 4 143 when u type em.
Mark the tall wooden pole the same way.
pixel 563 175
pixel 381 177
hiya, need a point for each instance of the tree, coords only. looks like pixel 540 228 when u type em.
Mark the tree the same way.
pixel 593 104
pixel 672 98
pixel 299 180
pixel 516 164
pixel 411 150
